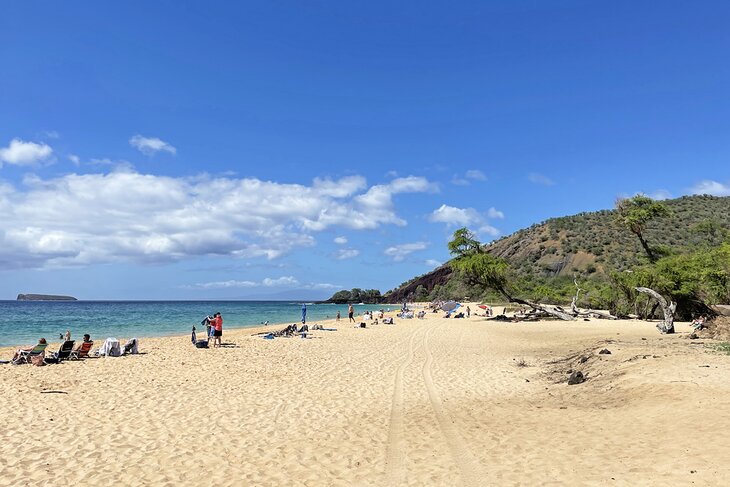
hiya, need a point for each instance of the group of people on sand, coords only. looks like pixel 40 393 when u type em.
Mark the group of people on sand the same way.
pixel 214 329
pixel 42 343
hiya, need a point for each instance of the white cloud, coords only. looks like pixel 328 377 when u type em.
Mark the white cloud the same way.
pixel 342 188
pixel 267 282
pixel 455 216
pixel 340 240
pixel 281 281
pixel 432 263
pixel 494 213
pixel 476 175
pixel 81 219
pixel 21 153
pixel 322 285
pixel 51 134
pixel 399 252
pixel 488 230
pixel 710 187
pixel 224 284
pixel 342 254
pixel 150 145
pixel 75 159
pixel 467 217
pixel 377 202
pixel 660 194
pixel 469 176
pixel 541 179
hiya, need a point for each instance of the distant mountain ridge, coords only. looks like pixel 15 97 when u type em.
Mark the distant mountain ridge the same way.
pixel 591 244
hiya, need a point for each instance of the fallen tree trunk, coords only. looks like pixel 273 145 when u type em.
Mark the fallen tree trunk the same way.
pixel 538 307
pixel 667 326
pixel 575 311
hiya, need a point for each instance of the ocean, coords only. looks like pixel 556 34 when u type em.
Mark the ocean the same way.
pixel 24 322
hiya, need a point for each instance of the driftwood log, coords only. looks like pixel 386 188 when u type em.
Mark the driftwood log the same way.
pixel 575 311
pixel 669 308
pixel 557 312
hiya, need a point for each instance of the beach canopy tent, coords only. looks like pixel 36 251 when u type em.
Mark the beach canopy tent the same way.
pixel 450 306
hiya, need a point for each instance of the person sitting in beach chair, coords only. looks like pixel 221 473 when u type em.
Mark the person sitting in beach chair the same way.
pixel 83 349
pixel 25 355
pixel 64 351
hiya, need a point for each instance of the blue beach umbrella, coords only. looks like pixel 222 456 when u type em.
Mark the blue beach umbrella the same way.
pixel 304 313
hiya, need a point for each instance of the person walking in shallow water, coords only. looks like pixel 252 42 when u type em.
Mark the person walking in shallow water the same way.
pixel 338 316
pixel 351 313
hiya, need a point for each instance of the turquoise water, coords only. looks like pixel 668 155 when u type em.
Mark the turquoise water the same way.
pixel 24 322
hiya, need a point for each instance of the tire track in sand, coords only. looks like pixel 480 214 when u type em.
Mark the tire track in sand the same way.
pixel 394 457
pixel 460 454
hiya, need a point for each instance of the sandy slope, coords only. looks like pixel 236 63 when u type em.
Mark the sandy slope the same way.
pixel 424 402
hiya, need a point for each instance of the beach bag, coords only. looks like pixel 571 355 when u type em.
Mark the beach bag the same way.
pixel 37 360
pixel 201 344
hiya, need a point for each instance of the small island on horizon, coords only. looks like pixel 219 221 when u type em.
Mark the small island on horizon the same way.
pixel 44 297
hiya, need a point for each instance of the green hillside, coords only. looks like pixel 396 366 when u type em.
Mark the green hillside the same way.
pixel 545 257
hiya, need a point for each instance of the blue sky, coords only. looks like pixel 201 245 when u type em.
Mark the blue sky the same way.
pixel 180 150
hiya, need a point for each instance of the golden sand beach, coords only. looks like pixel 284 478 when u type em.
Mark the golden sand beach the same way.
pixel 443 402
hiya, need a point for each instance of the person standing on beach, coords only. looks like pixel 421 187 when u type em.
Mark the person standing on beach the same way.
pixel 217 329
pixel 468 311
pixel 351 313
pixel 338 316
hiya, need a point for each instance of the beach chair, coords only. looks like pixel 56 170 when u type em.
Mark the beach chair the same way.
pixel 63 352
pixel 82 352
pixel 25 356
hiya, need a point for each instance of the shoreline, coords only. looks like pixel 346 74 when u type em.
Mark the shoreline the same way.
pixel 239 317
pixel 54 343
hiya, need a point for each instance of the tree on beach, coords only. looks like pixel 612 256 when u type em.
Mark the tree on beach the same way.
pixel 635 213
pixel 488 271
pixel 464 243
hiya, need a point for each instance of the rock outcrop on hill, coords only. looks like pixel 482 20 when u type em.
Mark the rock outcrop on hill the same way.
pixel 44 297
